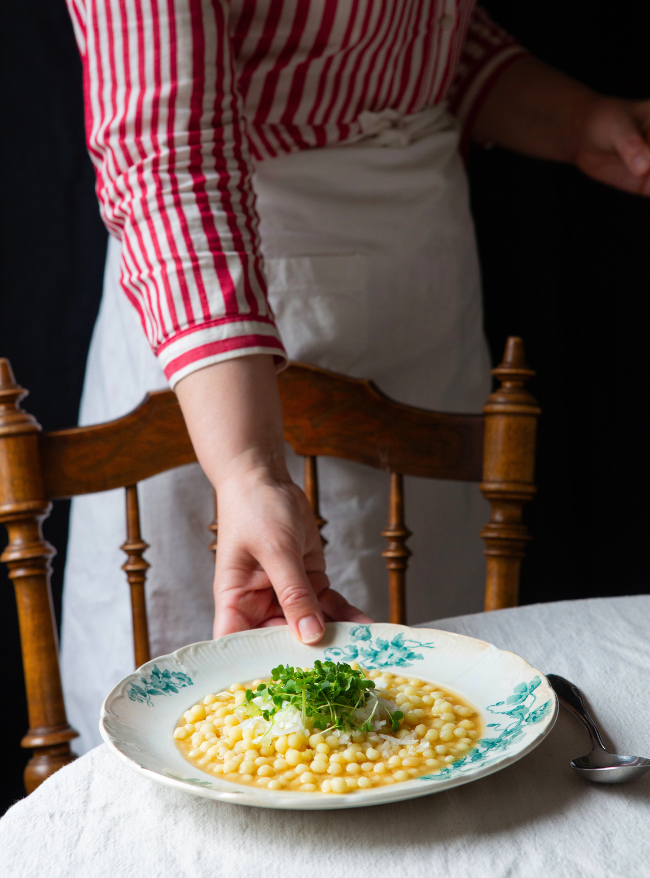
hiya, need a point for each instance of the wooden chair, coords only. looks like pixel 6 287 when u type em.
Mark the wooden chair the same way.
pixel 325 414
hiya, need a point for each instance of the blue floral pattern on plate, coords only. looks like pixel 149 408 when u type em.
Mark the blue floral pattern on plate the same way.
pixel 521 712
pixel 159 683
pixel 397 652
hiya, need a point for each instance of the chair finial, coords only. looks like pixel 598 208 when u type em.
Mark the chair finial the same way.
pixel 12 418
pixel 513 355
pixel 513 366
pixel 7 380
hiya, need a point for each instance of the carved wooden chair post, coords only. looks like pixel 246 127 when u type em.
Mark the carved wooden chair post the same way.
pixel 136 568
pixel 511 416
pixel 23 506
pixel 397 553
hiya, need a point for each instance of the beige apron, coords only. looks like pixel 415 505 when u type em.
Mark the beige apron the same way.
pixel 372 269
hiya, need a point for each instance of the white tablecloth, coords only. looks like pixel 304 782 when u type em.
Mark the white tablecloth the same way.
pixel 97 818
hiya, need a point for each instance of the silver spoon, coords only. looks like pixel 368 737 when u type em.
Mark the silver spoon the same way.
pixel 599 765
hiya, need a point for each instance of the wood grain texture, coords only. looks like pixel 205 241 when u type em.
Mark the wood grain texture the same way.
pixel 23 506
pixel 149 440
pixel 511 416
pixel 330 414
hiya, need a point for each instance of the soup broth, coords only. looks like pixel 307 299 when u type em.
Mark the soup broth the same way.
pixel 436 727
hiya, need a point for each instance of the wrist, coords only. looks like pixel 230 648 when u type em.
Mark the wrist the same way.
pixel 576 123
pixel 234 417
pixel 262 466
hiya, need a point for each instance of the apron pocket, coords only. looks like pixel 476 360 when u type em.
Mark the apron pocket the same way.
pixel 321 307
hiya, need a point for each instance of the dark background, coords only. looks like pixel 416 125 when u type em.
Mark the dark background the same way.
pixel 565 264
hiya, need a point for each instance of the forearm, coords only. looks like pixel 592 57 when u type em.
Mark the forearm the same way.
pixel 234 417
pixel 535 110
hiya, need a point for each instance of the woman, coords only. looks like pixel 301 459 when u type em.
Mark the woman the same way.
pixel 303 152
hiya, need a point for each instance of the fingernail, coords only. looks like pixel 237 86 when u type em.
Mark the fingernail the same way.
pixel 310 629
pixel 640 164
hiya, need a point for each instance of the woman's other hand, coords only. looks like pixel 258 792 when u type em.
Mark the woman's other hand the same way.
pixel 612 146
pixel 539 111
pixel 270 568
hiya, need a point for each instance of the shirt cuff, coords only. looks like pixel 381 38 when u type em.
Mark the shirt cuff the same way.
pixel 196 348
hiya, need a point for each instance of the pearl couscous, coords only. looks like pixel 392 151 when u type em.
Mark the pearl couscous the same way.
pixel 434 729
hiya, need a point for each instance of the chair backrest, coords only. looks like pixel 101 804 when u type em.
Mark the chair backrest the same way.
pixel 325 414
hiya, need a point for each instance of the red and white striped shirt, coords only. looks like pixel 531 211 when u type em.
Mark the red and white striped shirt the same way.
pixel 182 96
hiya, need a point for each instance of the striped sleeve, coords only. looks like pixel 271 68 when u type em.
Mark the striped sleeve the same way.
pixel 487 51
pixel 167 137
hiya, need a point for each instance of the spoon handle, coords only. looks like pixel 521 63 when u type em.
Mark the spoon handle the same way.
pixel 573 698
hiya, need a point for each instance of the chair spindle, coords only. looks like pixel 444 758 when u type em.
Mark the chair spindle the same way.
pixel 397 553
pixel 214 528
pixel 136 568
pixel 511 416
pixel 23 507
pixel 311 490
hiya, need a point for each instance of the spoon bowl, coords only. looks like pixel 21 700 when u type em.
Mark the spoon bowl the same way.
pixel 618 770
pixel 598 766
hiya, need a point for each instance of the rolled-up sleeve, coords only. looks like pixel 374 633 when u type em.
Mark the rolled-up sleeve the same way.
pixel 486 53
pixel 167 137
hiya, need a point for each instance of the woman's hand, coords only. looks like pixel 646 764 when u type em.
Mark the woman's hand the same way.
pixel 612 146
pixel 270 567
pixel 539 111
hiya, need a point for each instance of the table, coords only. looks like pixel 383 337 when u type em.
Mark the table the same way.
pixel 536 818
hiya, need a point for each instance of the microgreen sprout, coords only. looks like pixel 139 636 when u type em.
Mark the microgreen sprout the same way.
pixel 328 697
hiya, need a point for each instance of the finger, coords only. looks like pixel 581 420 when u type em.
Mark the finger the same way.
pixel 339 610
pixel 611 169
pixel 632 148
pixel 641 110
pixel 242 600
pixel 229 620
pixel 274 623
pixel 296 596
pixel 319 580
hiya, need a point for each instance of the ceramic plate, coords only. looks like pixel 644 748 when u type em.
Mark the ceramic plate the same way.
pixel 517 705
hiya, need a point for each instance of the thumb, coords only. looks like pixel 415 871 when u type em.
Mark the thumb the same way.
pixel 296 596
pixel 631 146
